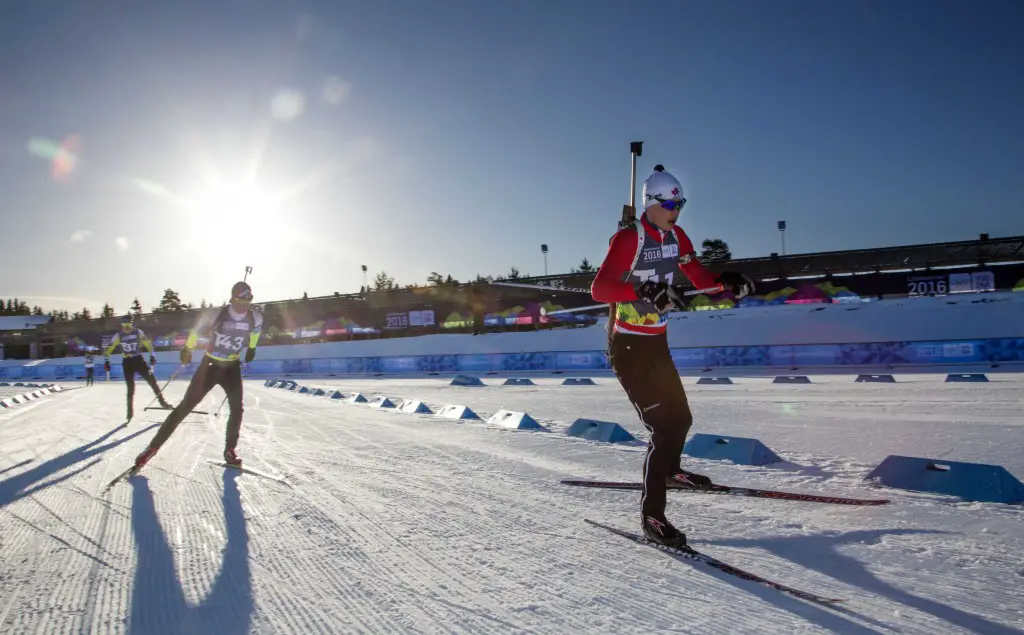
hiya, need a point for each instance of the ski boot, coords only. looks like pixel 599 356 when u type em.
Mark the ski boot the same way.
pixel 690 479
pixel 144 457
pixel 661 531
pixel 164 404
pixel 231 458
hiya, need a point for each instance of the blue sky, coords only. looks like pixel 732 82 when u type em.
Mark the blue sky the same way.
pixel 457 136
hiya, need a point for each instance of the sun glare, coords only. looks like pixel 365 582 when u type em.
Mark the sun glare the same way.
pixel 231 212
pixel 231 223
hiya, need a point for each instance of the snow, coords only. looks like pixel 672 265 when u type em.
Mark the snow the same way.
pixel 392 522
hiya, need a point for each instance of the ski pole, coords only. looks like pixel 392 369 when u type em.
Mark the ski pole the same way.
pixel 598 306
pixel 169 380
pixel 542 287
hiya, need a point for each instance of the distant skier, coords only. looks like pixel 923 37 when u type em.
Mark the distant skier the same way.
pixel 131 341
pixel 89 370
pixel 228 331
pixel 638 274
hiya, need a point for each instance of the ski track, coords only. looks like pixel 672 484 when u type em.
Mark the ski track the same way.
pixel 392 522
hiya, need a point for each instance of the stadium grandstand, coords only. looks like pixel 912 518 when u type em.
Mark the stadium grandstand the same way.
pixel 559 301
pixel 18 337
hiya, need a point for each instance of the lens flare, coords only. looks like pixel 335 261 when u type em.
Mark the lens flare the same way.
pixel 64 157
pixel 68 156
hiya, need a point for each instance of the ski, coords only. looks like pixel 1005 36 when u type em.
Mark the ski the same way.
pixel 248 471
pixel 120 477
pixel 192 412
pixel 689 553
pixel 132 472
pixel 726 490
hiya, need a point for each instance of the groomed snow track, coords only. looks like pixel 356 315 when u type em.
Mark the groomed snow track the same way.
pixel 406 523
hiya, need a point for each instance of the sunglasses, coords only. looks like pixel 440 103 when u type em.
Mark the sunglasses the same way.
pixel 672 204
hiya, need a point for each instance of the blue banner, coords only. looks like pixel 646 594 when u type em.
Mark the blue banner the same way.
pixel 783 357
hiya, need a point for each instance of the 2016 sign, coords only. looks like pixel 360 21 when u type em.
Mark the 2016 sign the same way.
pixel 397 321
pixel 927 286
pixel 412 318
pixel 972 282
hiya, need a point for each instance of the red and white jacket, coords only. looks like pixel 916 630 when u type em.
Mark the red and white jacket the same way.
pixel 644 252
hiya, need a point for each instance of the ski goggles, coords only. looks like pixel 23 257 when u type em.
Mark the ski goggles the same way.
pixel 672 204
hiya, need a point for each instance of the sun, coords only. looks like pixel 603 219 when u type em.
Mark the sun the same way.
pixel 231 202
pixel 228 213
pixel 234 222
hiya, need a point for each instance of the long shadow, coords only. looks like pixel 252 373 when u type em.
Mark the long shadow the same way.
pixel 158 604
pixel 821 553
pixel 21 485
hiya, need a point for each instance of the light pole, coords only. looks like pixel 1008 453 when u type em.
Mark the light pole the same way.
pixel 366 284
pixel 782 234
pixel 544 250
pixel 248 270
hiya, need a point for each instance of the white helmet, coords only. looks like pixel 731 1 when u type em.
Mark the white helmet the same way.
pixel 661 186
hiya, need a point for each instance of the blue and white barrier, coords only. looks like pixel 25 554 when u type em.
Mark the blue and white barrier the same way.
pixel 857 357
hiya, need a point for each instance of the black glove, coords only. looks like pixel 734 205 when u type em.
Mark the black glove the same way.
pixel 660 294
pixel 249 354
pixel 106 365
pixel 186 356
pixel 152 360
pixel 740 285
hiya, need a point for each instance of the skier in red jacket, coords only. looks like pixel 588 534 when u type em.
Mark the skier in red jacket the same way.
pixel 637 275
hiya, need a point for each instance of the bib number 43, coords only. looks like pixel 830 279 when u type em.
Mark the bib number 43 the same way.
pixel 228 342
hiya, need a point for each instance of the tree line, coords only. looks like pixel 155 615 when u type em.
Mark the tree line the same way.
pixel 171 301
pixel 712 250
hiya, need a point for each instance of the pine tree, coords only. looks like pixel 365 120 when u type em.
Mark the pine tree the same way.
pixel 136 309
pixel 170 302
pixel 715 250
pixel 107 311
pixel 383 282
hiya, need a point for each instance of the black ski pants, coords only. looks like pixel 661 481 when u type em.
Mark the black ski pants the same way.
pixel 227 375
pixel 644 368
pixel 136 365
